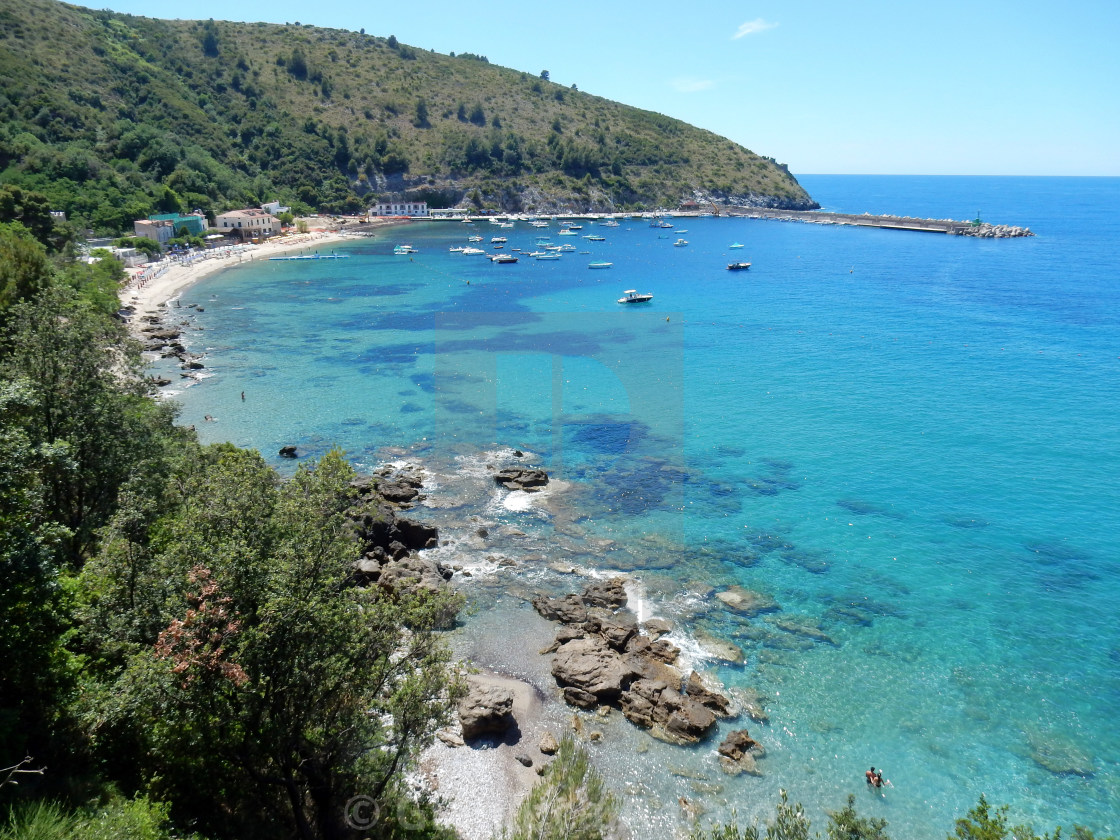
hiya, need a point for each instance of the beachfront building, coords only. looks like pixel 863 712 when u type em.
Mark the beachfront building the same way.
pixel 275 208
pixel 253 223
pixel 158 230
pixel 193 223
pixel 400 208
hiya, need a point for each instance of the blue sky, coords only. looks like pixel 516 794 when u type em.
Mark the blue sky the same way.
pixel 991 87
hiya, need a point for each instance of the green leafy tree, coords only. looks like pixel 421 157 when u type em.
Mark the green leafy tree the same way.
pixel 32 604
pixel 242 666
pixel 846 824
pixel 210 38
pixel 88 402
pixel 984 823
pixel 571 802
pixel 25 270
pixel 140 243
pixel 791 823
pixel 31 209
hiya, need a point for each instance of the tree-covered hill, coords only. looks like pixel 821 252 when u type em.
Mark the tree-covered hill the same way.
pixel 114 116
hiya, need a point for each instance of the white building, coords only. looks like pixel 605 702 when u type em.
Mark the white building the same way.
pixel 275 208
pixel 248 224
pixel 400 208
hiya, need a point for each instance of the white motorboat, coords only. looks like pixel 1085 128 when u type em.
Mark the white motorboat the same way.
pixel 634 296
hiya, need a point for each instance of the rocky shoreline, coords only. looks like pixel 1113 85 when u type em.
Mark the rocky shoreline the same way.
pixel 605 663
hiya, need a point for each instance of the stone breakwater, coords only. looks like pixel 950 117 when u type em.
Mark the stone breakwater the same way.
pixel 950 226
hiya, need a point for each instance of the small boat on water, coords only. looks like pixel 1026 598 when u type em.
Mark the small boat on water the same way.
pixel 501 239
pixel 547 256
pixel 471 252
pixel 680 231
pixel 474 239
pixel 456 249
pixel 503 258
pixel 599 264
pixel 680 243
pixel 568 232
pixel 634 296
pixel 594 238
pixel 405 249
pixel 735 245
pixel 738 266
pixel 564 247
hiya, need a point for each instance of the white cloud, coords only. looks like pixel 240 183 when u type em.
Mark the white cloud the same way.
pixel 751 27
pixel 689 84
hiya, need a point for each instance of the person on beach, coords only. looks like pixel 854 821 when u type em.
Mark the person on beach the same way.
pixel 880 781
pixel 870 776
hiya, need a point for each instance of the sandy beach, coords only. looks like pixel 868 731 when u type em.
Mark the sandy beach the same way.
pixel 150 286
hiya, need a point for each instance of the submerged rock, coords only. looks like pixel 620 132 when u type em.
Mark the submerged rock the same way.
pixel 746 601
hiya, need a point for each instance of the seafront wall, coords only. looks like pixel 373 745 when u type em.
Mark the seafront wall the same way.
pixel 820 217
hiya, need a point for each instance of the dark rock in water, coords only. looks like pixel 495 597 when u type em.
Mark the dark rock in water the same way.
pixel 610 594
pixel 659 649
pixel 563 636
pixel 517 478
pixel 569 609
pixel 487 709
pixel 737 743
pixel 696 689
pixel 593 668
pixel 397 491
pixel 738 753
pixel 161 382
pixel 288 452
pixel 617 629
pixel 194 366
pixel 670 715
pixel 517 453
pixel 416 535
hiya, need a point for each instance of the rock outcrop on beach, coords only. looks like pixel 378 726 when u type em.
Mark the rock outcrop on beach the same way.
pixel 486 709
pixel 390 542
pixel 602 658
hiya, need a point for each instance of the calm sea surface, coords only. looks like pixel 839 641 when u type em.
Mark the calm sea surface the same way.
pixel 910 441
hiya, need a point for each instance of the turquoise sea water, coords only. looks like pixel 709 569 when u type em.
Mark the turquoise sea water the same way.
pixel 910 441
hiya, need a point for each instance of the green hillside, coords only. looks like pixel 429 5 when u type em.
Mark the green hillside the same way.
pixel 114 116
